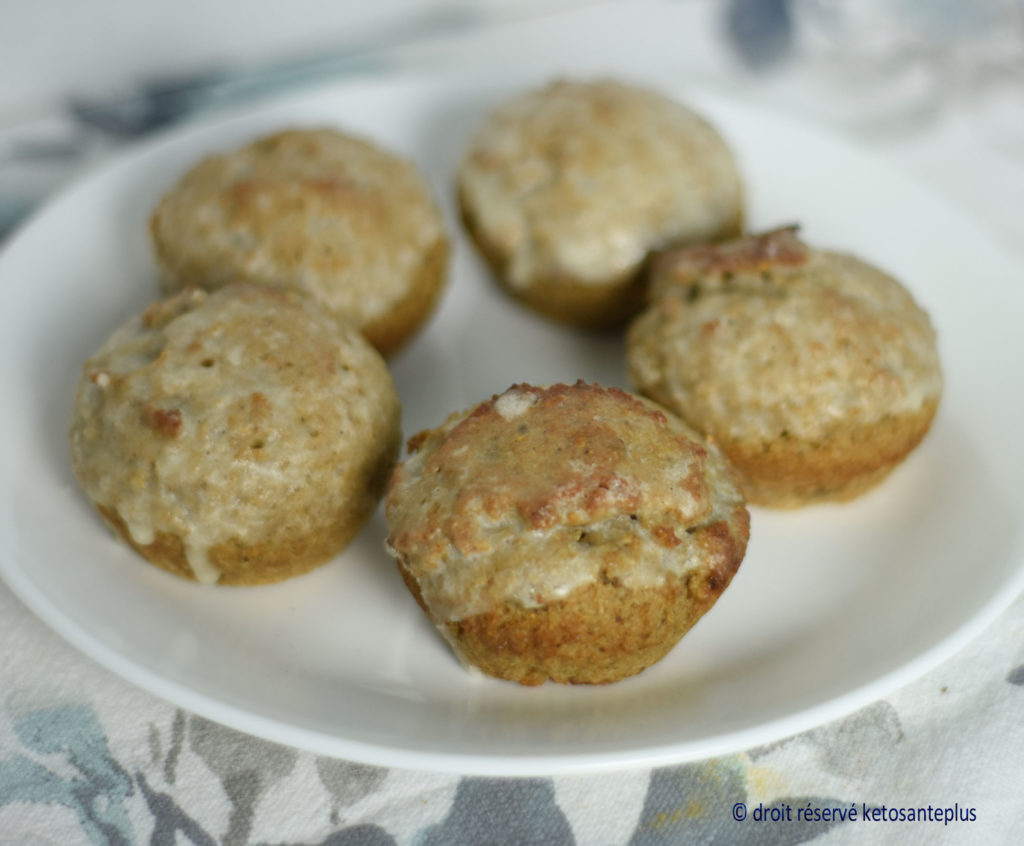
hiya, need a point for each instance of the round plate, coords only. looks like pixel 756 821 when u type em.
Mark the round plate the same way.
pixel 833 606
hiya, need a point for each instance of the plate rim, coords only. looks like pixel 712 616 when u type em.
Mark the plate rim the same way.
pixel 382 754
pixel 526 766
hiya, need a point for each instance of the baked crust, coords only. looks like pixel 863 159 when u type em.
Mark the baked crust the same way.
pixel 284 556
pixel 565 191
pixel 606 306
pixel 334 216
pixel 239 437
pixel 814 372
pixel 572 533
pixel 390 332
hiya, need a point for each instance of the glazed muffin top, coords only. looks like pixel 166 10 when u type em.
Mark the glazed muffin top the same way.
pixel 216 416
pixel 766 337
pixel 539 491
pixel 315 209
pixel 580 180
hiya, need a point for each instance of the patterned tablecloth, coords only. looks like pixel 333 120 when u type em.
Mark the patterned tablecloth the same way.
pixel 87 758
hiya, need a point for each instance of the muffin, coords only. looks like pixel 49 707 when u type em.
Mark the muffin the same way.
pixel 238 437
pixel 814 372
pixel 565 190
pixel 571 533
pixel 341 219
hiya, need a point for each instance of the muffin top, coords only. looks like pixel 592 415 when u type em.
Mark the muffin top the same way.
pixel 767 337
pixel 334 215
pixel 580 180
pixel 539 491
pixel 227 416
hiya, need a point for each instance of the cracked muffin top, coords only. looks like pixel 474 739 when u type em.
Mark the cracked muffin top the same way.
pixel 540 491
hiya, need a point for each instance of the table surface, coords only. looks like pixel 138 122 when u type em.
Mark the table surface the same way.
pixel 87 758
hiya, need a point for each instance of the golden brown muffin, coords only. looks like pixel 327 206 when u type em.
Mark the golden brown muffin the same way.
pixel 334 216
pixel 814 372
pixel 237 437
pixel 572 533
pixel 565 190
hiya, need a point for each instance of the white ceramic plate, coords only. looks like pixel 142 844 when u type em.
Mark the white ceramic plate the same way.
pixel 833 606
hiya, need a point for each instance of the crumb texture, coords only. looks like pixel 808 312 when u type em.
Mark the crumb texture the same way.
pixel 239 436
pixel 333 215
pixel 573 184
pixel 814 371
pixel 548 525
